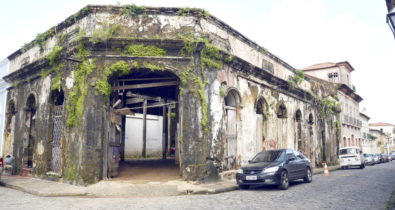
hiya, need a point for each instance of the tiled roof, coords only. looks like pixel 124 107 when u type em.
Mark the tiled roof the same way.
pixel 381 124
pixel 329 65
pixel 320 66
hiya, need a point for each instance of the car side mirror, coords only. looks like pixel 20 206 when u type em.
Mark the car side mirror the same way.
pixel 249 161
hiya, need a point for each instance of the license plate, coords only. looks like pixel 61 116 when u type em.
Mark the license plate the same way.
pixel 251 177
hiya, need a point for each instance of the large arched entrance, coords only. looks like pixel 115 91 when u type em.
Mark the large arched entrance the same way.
pixel 30 112
pixel 56 101
pixel 261 109
pixel 144 118
pixel 232 101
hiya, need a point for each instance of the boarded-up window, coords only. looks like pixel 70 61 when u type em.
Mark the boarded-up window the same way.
pixel 267 66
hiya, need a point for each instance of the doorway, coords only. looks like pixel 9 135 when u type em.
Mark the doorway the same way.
pixel 144 127
pixel 232 101
pixel 30 116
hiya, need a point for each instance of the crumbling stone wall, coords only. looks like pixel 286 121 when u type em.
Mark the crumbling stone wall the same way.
pixel 207 56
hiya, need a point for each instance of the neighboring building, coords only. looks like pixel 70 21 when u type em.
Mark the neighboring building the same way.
pixel 340 74
pixel 378 137
pixel 389 131
pixel 3 95
pixel 368 143
pixel 222 97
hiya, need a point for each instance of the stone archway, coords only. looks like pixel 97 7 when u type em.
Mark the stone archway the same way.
pixel 232 101
pixel 298 127
pixel 56 100
pixel 261 109
pixel 282 125
pixel 30 116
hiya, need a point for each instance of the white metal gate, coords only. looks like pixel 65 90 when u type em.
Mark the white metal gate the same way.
pixel 56 140
pixel 259 132
pixel 232 138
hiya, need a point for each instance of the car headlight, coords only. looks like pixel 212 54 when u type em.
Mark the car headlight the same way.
pixel 271 170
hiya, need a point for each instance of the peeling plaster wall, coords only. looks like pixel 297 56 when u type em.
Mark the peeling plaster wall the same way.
pixel 201 154
pixel 245 51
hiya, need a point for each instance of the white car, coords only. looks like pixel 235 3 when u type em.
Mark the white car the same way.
pixel 351 156
pixel 368 159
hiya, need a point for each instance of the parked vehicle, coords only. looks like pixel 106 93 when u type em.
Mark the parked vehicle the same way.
pixel 351 156
pixel 368 159
pixel 1 166
pixel 376 158
pixel 385 158
pixel 380 158
pixel 275 167
pixel 393 156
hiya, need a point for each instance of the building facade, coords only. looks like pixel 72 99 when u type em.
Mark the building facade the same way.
pixel 3 95
pixel 222 97
pixel 389 135
pixel 340 74
pixel 369 144
pixel 378 137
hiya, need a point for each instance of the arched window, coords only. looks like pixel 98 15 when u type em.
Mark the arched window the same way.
pixel 232 98
pixel 282 111
pixel 298 116
pixel 311 119
pixel 10 113
pixel 57 97
pixel 260 106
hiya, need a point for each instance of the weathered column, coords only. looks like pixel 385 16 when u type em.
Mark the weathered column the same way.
pixel 163 132
pixel 144 128
pixel 168 129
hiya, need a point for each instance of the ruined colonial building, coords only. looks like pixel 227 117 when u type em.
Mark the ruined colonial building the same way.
pixel 221 97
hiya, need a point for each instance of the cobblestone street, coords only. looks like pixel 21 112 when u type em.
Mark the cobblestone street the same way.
pixel 369 188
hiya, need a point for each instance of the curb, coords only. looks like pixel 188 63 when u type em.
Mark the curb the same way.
pixel 214 191
pixel 41 194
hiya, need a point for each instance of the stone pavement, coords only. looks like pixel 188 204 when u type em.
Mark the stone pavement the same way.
pixel 45 188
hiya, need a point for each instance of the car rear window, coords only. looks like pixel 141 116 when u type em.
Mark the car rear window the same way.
pixel 348 151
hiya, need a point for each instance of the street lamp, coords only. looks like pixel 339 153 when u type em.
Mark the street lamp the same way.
pixel 391 14
pixel 391 20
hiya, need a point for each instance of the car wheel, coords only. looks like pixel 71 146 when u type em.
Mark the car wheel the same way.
pixel 361 166
pixel 309 176
pixel 284 181
pixel 244 187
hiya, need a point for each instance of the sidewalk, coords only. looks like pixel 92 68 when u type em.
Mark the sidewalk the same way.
pixel 45 188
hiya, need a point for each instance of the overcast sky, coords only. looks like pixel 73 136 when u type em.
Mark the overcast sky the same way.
pixel 301 32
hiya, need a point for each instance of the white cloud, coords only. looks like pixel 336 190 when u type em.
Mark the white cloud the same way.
pixel 303 33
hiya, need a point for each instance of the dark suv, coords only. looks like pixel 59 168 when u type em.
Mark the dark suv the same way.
pixel 277 167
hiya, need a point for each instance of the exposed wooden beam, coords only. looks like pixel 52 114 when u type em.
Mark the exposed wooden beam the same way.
pixel 145 85
pixel 134 100
pixel 129 94
pixel 145 79
pixel 157 104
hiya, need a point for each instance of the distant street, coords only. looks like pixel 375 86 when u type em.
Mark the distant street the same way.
pixel 369 188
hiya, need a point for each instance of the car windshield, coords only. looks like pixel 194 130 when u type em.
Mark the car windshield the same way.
pixel 269 156
pixel 348 151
